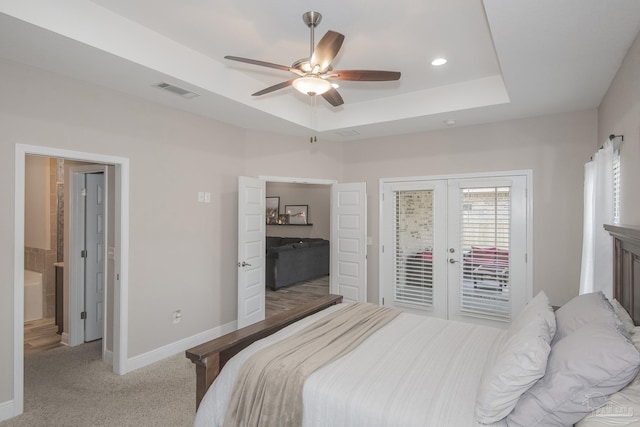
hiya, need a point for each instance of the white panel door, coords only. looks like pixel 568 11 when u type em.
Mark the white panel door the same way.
pixel 251 250
pixel 349 241
pixel 94 260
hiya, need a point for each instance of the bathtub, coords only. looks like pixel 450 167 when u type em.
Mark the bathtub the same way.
pixel 32 295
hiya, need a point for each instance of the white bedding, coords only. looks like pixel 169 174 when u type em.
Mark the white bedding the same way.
pixel 416 371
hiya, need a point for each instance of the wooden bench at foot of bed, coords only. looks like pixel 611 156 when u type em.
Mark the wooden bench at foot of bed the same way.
pixel 211 356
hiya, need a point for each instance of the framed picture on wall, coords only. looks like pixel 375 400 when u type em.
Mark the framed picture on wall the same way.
pixel 272 209
pixel 298 214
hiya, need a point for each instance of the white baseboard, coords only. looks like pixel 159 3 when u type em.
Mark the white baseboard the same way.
pixel 6 410
pixel 64 338
pixel 168 350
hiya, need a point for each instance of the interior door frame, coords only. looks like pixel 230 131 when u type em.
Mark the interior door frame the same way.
pixel 121 294
pixel 76 244
pixel 528 173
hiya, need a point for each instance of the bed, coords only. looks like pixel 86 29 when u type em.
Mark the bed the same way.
pixel 424 371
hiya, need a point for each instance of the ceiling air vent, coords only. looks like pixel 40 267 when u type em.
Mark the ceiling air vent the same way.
pixel 176 90
pixel 349 132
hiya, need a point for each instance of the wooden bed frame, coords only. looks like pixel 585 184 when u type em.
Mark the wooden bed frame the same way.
pixel 626 259
pixel 211 356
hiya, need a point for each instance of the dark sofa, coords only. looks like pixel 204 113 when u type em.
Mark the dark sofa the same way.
pixel 292 260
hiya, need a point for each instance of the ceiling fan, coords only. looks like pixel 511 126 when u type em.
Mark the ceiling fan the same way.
pixel 314 74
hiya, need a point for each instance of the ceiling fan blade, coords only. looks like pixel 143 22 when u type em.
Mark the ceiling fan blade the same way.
pixel 364 75
pixel 261 63
pixel 333 97
pixel 274 88
pixel 326 49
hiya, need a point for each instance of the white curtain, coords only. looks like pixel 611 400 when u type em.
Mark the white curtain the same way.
pixel 597 244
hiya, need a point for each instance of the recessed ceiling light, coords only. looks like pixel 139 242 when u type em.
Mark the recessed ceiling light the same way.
pixel 438 61
pixel 449 122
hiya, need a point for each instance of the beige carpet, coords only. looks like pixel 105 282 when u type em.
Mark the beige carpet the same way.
pixel 71 386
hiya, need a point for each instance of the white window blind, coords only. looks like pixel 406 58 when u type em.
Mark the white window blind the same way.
pixel 413 247
pixel 616 187
pixel 485 225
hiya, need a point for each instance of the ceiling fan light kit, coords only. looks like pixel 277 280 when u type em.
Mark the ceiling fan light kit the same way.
pixel 311 85
pixel 314 74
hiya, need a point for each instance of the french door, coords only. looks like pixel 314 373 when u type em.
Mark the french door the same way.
pixel 348 245
pixel 456 248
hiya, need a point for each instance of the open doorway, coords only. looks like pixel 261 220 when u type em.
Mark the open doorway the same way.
pixel 348 252
pixel 118 179
pixel 42 254
pixel 298 234
pixel 54 216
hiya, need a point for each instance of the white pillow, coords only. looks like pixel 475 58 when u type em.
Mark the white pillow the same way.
pixel 626 320
pixel 584 368
pixel 520 361
pixel 582 310
pixel 538 306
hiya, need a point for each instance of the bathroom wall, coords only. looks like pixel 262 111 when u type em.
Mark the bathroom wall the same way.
pixel 41 225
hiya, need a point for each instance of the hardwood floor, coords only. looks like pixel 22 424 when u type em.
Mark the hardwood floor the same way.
pixel 40 335
pixel 292 296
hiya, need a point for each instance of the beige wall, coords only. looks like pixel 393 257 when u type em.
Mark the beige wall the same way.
pixel 317 197
pixel 619 114
pixel 554 147
pixel 37 231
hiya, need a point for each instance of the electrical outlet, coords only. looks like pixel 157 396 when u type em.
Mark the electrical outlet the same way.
pixel 201 196
pixel 177 316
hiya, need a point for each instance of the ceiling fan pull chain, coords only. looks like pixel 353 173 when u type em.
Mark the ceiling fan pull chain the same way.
pixel 312 119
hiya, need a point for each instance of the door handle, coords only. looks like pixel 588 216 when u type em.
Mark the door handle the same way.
pixel 244 264
pixel 453 261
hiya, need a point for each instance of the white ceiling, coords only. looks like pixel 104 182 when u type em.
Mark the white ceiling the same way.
pixel 507 58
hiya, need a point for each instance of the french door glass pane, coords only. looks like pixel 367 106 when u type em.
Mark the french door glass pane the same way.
pixel 485 224
pixel 414 247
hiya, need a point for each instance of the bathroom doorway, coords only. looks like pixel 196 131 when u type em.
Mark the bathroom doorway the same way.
pixel 81 205
pixel 117 180
pixel 43 253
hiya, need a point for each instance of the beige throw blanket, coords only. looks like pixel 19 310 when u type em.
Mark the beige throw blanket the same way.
pixel 268 391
